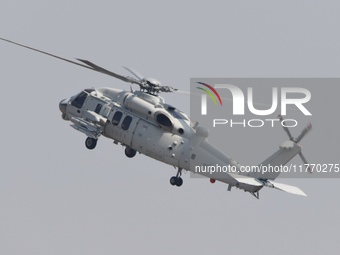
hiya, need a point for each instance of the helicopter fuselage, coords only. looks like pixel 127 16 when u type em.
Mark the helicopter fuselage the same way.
pixel 144 123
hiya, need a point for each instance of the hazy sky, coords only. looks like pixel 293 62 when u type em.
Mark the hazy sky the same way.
pixel 57 197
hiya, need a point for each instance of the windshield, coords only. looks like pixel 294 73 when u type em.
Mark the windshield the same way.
pixel 79 100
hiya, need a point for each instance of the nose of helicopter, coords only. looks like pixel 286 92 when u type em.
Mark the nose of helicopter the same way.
pixel 62 107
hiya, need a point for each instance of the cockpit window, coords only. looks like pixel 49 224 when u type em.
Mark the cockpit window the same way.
pixel 78 102
pixel 116 118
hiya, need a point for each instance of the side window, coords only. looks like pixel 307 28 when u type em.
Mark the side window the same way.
pixel 126 122
pixel 116 118
pixel 98 108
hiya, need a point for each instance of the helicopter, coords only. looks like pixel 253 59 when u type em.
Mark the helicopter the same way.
pixel 143 122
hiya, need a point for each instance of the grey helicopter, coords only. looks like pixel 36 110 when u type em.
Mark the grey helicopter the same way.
pixel 143 122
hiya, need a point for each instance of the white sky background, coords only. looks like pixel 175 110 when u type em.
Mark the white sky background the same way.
pixel 57 197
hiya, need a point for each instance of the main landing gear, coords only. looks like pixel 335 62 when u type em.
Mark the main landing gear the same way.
pixel 177 180
pixel 90 143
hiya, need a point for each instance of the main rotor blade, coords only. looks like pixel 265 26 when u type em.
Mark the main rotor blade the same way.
pixel 104 71
pixel 135 73
pixel 46 53
pixel 183 92
pixel 87 65
pixel 223 98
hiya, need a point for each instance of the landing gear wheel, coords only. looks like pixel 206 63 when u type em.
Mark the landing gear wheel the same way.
pixel 178 181
pixel 90 143
pixel 130 153
pixel 173 180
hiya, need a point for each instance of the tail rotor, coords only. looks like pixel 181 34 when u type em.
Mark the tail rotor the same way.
pixel 297 140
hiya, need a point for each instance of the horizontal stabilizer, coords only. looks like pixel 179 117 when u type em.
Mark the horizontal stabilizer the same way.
pixel 288 188
pixel 248 180
pixel 254 185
